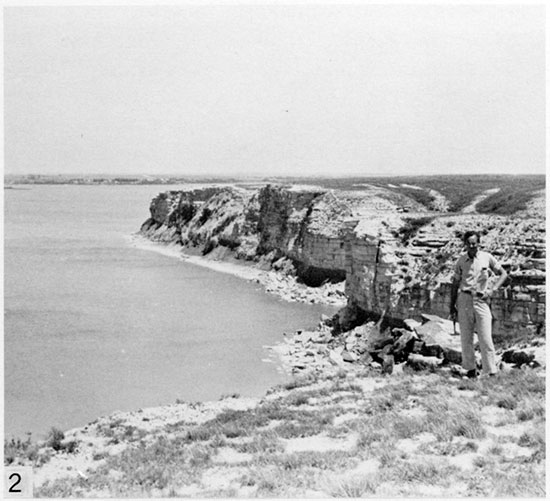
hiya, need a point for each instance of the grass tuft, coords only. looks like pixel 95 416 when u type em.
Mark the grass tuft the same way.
pixel 355 486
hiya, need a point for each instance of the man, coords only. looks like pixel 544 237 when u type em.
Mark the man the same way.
pixel 471 293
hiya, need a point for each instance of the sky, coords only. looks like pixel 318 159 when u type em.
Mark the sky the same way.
pixel 299 89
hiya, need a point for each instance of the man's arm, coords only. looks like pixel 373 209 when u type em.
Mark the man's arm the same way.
pixel 455 285
pixel 501 279
pixel 501 272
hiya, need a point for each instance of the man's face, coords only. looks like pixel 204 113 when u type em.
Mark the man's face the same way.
pixel 472 245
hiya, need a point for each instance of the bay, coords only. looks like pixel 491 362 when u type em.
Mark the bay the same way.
pixel 93 324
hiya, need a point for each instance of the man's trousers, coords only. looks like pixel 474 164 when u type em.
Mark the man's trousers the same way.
pixel 475 314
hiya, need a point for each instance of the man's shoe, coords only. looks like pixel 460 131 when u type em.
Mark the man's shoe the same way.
pixel 471 374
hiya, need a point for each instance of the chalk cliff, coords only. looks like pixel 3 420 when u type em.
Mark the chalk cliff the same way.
pixel 395 256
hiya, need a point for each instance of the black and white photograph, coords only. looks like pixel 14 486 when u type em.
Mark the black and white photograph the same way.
pixel 274 249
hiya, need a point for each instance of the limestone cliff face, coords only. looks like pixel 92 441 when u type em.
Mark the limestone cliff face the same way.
pixel 395 257
pixel 404 280
pixel 302 225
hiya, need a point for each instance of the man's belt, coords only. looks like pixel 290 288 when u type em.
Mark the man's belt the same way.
pixel 472 293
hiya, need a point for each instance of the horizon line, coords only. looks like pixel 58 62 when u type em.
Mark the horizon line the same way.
pixel 264 176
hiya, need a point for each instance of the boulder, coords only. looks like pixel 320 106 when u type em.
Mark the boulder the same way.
pixel 518 357
pixel 421 362
pixel 417 346
pixel 348 356
pixel 323 350
pixel 412 324
pixel 439 342
pixel 438 324
pixel 380 342
pixel 388 362
pixel 326 320
pixel 363 331
pixel 365 358
pixel 386 350
pixel 336 359
pixel 453 356
pixel 403 345
pixel 305 336
pixel 361 347
pixel 398 368
pixel 322 337
pixel 347 318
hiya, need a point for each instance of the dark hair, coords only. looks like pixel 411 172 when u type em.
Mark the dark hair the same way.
pixel 471 233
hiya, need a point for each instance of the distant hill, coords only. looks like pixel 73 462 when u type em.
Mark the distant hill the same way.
pixel 504 194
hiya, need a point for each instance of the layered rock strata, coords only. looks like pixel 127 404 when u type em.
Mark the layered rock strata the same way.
pixel 407 280
pixel 396 257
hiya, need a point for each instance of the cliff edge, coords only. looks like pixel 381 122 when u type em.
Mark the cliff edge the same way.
pixel 395 256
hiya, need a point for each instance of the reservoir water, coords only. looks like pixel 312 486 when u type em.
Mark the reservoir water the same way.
pixel 93 324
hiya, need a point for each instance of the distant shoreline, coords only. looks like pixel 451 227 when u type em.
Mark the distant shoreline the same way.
pixel 286 287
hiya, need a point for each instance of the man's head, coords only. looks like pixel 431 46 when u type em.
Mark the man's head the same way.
pixel 472 240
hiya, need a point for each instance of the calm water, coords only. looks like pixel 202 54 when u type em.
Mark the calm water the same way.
pixel 93 324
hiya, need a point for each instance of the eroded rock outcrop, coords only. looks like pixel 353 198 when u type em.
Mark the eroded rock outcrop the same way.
pixel 405 279
pixel 396 257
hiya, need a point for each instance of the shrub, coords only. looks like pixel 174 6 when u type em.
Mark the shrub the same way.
pixel 298 399
pixel 205 214
pixel 411 227
pixel 230 243
pixel 507 402
pixel 529 410
pixel 183 213
pixel 506 201
pixel 55 438
pixel 356 486
pixel 210 245
pixel 299 382
pixel 200 455
pixel 16 448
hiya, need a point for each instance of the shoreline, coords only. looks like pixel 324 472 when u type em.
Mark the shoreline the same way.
pixel 177 251
pixel 284 286
pixel 269 280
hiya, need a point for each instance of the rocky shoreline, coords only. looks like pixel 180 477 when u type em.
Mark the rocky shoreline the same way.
pixel 284 285
pixel 339 344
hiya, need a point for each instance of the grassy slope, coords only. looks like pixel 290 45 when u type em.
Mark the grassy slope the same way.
pixel 404 435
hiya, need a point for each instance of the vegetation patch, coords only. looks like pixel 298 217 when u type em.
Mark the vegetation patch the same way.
pixel 16 448
pixel 460 190
pixel 411 227
pixel 510 199
pixel 415 429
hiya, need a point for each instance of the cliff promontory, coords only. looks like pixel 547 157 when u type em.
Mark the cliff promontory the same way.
pixel 395 256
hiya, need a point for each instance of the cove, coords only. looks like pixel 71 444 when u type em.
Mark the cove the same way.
pixel 94 325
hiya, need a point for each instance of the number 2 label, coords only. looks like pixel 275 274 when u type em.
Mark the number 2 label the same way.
pixel 17 482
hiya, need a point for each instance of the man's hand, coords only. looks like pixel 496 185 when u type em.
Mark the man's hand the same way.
pixel 454 313
pixel 487 295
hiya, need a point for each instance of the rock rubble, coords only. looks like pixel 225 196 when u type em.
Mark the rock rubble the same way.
pixel 431 344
